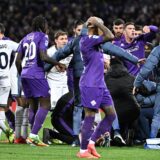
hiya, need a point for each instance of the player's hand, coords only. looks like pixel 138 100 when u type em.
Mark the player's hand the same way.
pixel 106 64
pixel 141 61
pixel 61 67
pixel 95 21
pixel 135 90
pixel 146 29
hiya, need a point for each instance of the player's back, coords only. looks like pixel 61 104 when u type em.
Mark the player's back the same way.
pixel 6 49
pixel 93 60
pixel 30 48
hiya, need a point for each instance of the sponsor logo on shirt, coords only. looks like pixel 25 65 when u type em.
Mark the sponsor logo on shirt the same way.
pixel 130 50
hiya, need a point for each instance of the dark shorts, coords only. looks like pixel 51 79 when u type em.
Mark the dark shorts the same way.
pixel 34 88
pixel 95 98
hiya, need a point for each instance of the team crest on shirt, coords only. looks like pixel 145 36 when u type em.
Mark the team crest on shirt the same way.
pixel 93 103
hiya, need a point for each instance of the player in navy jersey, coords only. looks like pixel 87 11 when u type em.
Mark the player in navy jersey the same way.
pixel 32 52
pixel 94 93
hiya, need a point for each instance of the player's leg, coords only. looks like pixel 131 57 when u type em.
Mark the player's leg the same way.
pixel 4 94
pixel 106 123
pixel 86 132
pixel 77 112
pixel 39 85
pixel 21 121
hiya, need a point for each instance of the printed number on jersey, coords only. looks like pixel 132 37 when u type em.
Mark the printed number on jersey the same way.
pixel 3 60
pixel 30 52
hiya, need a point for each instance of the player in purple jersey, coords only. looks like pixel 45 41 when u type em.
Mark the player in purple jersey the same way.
pixel 94 93
pixel 118 28
pixel 32 53
pixel 136 45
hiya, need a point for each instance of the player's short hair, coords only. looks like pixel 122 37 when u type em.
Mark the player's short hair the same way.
pixel 59 33
pixel 77 23
pixel 38 23
pixel 128 23
pixel 118 22
pixel 2 28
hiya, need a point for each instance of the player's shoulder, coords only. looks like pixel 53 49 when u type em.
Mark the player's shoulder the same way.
pixel 8 42
pixel 52 48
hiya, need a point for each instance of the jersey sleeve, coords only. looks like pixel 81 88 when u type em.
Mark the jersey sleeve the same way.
pixel 43 45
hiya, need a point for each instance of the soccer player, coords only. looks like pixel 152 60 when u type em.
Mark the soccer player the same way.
pixel 58 80
pixel 136 45
pixel 7 49
pixel 21 113
pixel 94 93
pixel 73 48
pixel 118 29
pixel 32 52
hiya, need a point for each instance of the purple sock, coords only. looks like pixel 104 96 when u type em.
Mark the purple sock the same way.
pixel 31 117
pixel 10 118
pixel 103 127
pixel 87 130
pixel 39 119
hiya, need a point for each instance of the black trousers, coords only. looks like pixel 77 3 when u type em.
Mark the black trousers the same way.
pixel 125 102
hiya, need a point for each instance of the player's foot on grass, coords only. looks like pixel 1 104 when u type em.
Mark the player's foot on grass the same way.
pixel 46 136
pixel 86 154
pixel 76 142
pixel 91 149
pixel 35 141
pixel 119 140
pixel 10 135
pixel 20 140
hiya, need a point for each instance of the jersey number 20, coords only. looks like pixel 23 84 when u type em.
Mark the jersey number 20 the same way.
pixel 30 51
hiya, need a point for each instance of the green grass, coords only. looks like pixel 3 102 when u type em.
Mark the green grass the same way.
pixel 66 152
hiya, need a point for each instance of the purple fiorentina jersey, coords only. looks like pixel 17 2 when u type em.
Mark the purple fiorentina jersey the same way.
pixel 118 39
pixel 30 46
pixel 93 73
pixel 137 49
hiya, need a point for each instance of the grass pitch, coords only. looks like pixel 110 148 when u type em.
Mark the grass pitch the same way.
pixel 66 152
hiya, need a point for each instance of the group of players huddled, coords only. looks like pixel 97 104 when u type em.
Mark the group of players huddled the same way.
pixel 100 71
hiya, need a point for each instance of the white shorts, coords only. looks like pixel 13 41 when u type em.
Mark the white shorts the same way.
pixel 16 87
pixel 4 95
pixel 57 90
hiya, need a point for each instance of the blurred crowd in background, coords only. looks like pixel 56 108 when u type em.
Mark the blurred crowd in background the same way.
pixel 16 15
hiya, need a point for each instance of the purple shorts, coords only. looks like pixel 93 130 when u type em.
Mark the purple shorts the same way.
pixel 34 88
pixel 95 98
